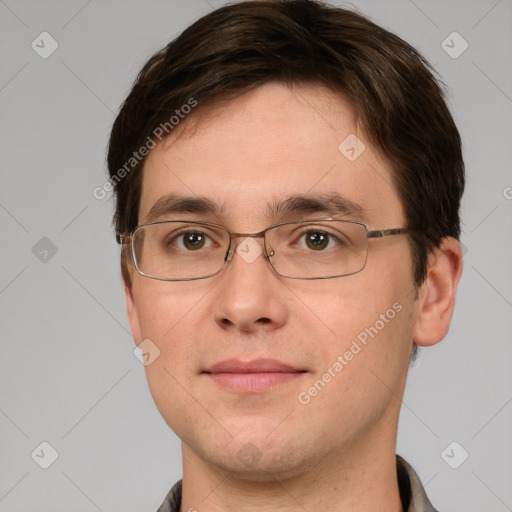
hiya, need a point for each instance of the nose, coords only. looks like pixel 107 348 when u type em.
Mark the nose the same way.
pixel 250 296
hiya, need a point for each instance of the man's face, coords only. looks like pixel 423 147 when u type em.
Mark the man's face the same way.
pixel 263 148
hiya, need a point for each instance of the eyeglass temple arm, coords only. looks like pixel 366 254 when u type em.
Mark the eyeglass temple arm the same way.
pixel 381 233
pixel 122 239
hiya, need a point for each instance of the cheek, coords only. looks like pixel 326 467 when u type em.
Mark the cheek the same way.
pixel 165 308
pixel 370 319
pixel 371 331
pixel 174 316
pixel 363 366
pixel 166 318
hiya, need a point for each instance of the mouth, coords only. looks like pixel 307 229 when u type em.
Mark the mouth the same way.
pixel 252 376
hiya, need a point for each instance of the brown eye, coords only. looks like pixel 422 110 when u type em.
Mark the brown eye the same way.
pixel 316 240
pixel 193 240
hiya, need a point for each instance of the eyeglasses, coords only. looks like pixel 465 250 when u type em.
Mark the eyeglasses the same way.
pixel 181 250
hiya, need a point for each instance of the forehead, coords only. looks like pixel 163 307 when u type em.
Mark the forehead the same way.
pixel 266 146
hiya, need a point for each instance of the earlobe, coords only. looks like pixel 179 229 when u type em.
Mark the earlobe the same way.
pixel 133 316
pixel 436 299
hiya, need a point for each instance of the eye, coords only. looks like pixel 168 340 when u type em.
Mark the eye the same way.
pixel 317 240
pixel 191 240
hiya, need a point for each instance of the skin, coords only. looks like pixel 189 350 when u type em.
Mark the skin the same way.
pixel 338 451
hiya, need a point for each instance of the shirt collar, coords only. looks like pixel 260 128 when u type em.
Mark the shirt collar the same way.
pixel 412 493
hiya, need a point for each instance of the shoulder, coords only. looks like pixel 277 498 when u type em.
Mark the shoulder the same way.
pixel 172 501
pixel 412 492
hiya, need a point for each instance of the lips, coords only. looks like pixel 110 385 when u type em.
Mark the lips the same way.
pixel 255 366
pixel 252 376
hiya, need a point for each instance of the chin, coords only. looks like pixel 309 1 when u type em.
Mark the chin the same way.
pixel 258 458
pixel 269 468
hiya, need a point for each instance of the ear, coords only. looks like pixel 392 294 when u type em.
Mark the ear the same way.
pixel 133 316
pixel 436 298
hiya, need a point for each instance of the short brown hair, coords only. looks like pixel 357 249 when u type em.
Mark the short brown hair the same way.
pixel 398 101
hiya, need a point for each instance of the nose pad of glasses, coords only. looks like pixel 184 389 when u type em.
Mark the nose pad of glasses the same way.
pixel 229 253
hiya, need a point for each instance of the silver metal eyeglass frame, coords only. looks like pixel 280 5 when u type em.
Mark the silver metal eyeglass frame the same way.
pixel 126 239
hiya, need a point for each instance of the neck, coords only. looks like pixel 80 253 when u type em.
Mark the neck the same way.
pixel 357 480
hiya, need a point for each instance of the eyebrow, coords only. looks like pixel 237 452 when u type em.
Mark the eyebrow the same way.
pixel 173 203
pixel 330 204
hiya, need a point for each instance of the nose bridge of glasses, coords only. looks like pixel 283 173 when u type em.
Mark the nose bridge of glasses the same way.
pixel 232 246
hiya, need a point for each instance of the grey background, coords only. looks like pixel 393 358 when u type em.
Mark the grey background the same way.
pixel 68 375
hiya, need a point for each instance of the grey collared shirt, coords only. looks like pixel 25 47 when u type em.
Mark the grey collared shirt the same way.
pixel 412 493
